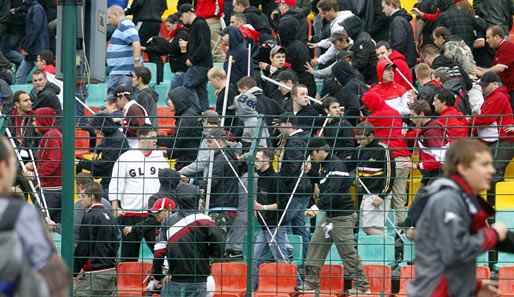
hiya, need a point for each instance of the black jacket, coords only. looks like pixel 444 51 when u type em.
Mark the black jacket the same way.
pixel 459 22
pixel 350 92
pixel 455 70
pixel 147 10
pixel 495 12
pixel 401 36
pixel 6 92
pixel 302 32
pixel 334 187
pixel 47 98
pixel 188 239
pixel 114 145
pixel 224 185
pixel 306 119
pixel 297 53
pixel 98 241
pixel 427 93
pixel 5 7
pixel 339 135
pixel 271 90
pixel 376 168
pixel 184 142
pixel 375 22
pixel 161 46
pixel 199 45
pixel 169 179
pixel 271 190
pixel 229 120
pixel 294 155
pixel 364 53
pixel 36 30
pixel 259 22
pixel 148 98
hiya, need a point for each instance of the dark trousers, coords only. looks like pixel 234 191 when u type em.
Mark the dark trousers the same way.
pixel 4 63
pixel 130 243
pixel 151 29
pixel 503 152
pixel 429 176
pixel 53 201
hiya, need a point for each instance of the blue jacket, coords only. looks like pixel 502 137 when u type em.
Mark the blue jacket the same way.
pixel 36 30
pixel 239 53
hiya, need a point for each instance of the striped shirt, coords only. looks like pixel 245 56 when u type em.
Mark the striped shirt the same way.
pixel 120 58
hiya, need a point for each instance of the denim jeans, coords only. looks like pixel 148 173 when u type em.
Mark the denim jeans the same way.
pixel 295 220
pixel 195 80
pixel 118 80
pixel 23 71
pixel 176 81
pixel 262 248
pixel 11 44
pixel 176 289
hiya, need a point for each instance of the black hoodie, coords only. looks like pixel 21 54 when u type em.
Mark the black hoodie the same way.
pixel 364 54
pixel 455 70
pixel 239 53
pixel 115 144
pixel 259 22
pixel 161 46
pixel 147 10
pixel 47 98
pixel 302 33
pixel 350 92
pixel 188 239
pixel 297 53
pixel 199 44
pixel 184 142
pixel 169 179
pixel 148 98
pixel 401 36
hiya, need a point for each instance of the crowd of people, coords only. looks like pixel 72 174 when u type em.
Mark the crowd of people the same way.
pixel 331 94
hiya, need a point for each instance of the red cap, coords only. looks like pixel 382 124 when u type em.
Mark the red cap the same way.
pixel 287 2
pixel 163 204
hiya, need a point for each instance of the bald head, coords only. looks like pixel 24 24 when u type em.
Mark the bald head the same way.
pixel 115 14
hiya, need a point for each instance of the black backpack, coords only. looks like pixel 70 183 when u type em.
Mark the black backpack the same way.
pixel 17 277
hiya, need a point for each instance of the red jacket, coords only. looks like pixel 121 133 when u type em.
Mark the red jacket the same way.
pixel 210 8
pixel 49 154
pixel 497 106
pixel 49 69
pixel 399 60
pixel 395 95
pixel 387 122
pixel 433 142
pixel 456 125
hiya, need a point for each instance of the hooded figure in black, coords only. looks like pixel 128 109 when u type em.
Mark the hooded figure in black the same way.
pixel 259 22
pixel 297 53
pixel 114 145
pixel 184 142
pixel 169 179
pixel 401 36
pixel 239 53
pixel 350 91
pixel 302 32
pixel 364 54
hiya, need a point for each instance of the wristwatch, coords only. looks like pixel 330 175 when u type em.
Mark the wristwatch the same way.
pixel 137 60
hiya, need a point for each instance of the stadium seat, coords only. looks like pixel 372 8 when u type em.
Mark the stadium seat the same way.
pixel 27 88
pixel 96 109
pixel 409 250
pixel 145 254
pixel 407 274
pixel 167 75
pixel 483 272
pixel 153 70
pixel 505 216
pixel 331 280
pixel 166 121
pixel 97 94
pixel 379 277
pixel 297 243
pixel 162 91
pixel 58 241
pixel 230 279
pixel 376 249
pixel 506 281
pixel 504 195
pixel 276 279
pixel 81 143
pixel 130 278
pixel 211 96
pixel 217 65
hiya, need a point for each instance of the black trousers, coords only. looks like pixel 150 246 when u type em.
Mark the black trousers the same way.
pixel 53 201
pixel 130 244
pixel 151 29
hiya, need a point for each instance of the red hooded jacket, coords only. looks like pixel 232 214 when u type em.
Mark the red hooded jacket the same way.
pixel 456 124
pixel 395 95
pixel 210 8
pixel 496 110
pixel 387 122
pixel 399 60
pixel 432 141
pixel 49 154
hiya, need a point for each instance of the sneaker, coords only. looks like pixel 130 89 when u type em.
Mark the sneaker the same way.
pixel 306 288
pixel 357 292
pixel 234 255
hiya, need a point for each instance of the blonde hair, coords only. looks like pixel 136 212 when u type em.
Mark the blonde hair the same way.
pixel 422 71
pixel 394 3
pixel 217 72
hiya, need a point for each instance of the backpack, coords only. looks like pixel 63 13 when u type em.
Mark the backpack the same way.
pixel 17 277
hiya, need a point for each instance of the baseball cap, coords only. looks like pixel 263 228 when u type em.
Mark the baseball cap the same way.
pixel 287 2
pixel 390 65
pixel 338 35
pixel 488 78
pixel 123 90
pixel 286 117
pixel 276 49
pixel 216 133
pixel 186 7
pixel 285 76
pixel 315 143
pixel 224 31
pixel 343 54
pixel 163 204
pixel 211 116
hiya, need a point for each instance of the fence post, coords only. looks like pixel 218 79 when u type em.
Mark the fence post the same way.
pixel 68 128
pixel 251 191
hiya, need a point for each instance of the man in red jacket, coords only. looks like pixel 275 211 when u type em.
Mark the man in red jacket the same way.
pixel 388 128
pixel 49 160
pixel 456 125
pixel 431 140
pixel 384 51
pixel 493 126
pixel 394 94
